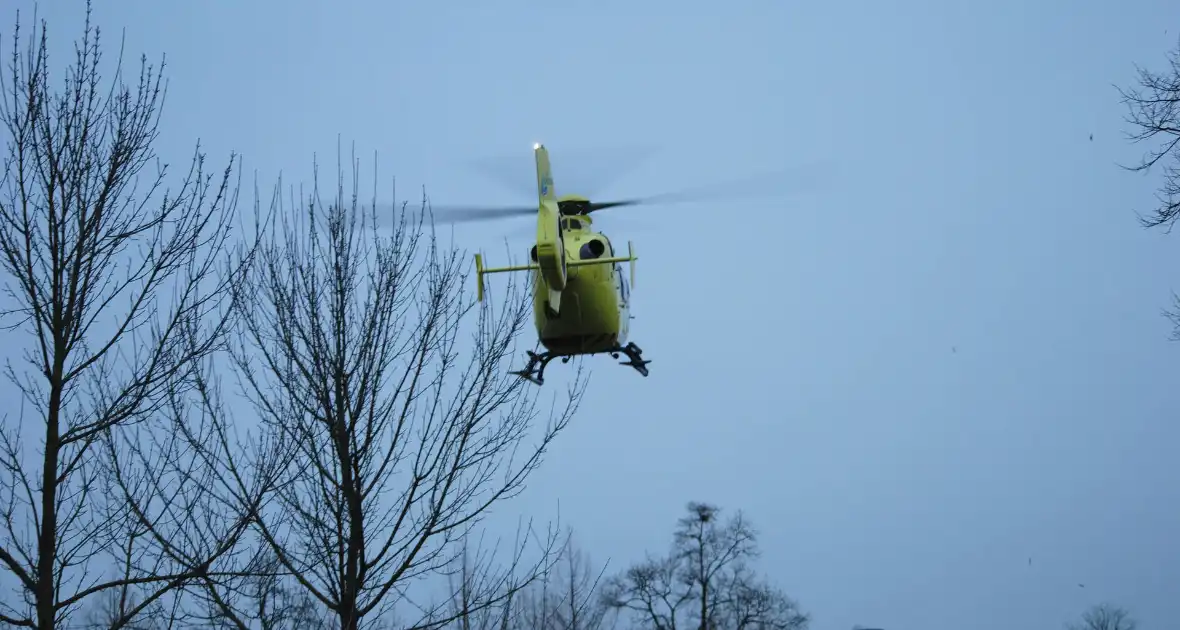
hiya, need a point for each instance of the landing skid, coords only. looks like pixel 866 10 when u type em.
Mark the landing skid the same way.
pixel 535 370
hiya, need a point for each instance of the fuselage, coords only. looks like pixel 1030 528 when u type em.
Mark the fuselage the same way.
pixel 594 313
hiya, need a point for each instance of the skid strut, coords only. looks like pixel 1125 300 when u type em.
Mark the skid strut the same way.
pixel 535 370
pixel 634 356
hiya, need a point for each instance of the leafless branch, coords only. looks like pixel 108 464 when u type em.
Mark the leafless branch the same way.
pixel 565 598
pixel 1153 110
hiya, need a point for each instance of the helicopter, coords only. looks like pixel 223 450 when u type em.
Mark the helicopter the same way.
pixel 581 298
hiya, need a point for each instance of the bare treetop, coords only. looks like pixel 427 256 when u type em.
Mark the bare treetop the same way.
pixel 1154 111
pixel 1104 617
pixel 705 582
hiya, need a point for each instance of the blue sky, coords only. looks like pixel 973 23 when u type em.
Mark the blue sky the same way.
pixel 945 360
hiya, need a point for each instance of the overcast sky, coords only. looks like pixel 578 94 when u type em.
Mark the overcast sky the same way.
pixel 940 359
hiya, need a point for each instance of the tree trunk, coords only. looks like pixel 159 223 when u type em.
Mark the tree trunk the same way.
pixel 47 537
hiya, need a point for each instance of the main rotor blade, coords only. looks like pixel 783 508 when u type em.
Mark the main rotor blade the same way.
pixel 464 214
pixel 449 214
pixel 764 185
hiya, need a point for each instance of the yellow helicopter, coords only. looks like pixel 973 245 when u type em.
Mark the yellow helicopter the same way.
pixel 581 297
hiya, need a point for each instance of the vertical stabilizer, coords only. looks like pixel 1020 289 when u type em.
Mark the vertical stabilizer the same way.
pixel 544 174
pixel 550 248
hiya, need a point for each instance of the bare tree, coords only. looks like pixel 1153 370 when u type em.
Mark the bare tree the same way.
pixel 566 597
pixel 1104 617
pixel 705 581
pixel 1154 111
pixel 575 602
pixel 115 282
pixel 403 433
pixel 469 609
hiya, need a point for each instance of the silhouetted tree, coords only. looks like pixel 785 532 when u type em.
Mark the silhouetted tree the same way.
pixel 470 609
pixel 115 283
pixel 1153 106
pixel 1104 617
pixel 705 582
pixel 403 432
pixel 566 597
pixel 1154 111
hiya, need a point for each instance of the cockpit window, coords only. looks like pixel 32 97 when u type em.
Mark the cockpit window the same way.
pixel 573 224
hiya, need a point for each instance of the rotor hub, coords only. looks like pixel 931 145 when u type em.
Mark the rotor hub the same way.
pixel 574 207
